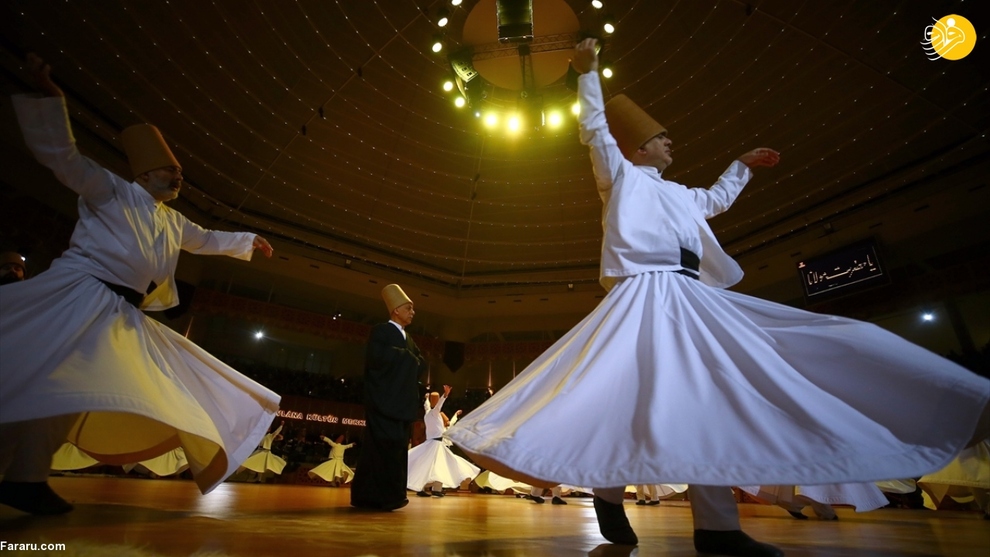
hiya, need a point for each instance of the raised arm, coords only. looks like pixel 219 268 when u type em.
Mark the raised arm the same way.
pixel 45 125
pixel 606 158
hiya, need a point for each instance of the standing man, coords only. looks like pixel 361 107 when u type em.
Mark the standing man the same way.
pixel 392 367
pixel 705 386
pixel 80 360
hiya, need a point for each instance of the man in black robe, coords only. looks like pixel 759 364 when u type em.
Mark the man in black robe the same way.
pixel 392 366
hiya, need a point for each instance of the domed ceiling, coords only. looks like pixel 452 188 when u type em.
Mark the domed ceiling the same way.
pixel 324 126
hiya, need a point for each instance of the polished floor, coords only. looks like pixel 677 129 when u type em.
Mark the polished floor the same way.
pixel 171 518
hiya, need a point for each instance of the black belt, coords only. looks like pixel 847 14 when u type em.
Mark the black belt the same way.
pixel 691 262
pixel 130 296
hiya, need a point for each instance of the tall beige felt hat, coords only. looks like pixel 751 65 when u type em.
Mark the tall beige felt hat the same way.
pixel 394 297
pixel 629 124
pixel 146 149
pixel 12 258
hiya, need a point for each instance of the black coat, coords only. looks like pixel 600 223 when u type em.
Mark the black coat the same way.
pixel 391 373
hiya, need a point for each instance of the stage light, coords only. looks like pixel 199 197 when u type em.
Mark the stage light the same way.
pixel 513 124
pixel 448 85
pixel 455 3
pixel 597 4
pixel 437 43
pixel 576 108
pixel 608 24
pixel 554 119
pixel 259 335
pixel 490 120
pixel 928 316
pixel 459 101
pixel 607 71
pixel 443 17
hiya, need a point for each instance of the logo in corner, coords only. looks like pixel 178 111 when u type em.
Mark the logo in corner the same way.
pixel 952 37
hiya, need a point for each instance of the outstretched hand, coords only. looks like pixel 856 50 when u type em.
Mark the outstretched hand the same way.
pixel 585 56
pixel 446 390
pixel 41 75
pixel 760 157
pixel 263 245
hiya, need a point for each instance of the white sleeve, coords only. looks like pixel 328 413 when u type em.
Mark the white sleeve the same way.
pixel 45 125
pixel 723 193
pixel 607 160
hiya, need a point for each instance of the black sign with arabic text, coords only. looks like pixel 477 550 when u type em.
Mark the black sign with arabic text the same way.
pixel 842 271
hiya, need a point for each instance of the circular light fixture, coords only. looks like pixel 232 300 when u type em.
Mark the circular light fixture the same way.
pixel 459 101
pixel 448 85
pixel 597 4
pixel 490 120
pixel 554 119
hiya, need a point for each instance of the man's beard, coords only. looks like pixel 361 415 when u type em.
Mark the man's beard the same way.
pixel 9 278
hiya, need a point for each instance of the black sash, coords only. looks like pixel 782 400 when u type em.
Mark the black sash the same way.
pixel 690 261
pixel 132 297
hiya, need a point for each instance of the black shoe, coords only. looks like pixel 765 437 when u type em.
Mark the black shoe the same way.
pixel 362 504
pixel 422 494
pixel 652 503
pixel 537 499
pixel 558 501
pixel 732 542
pixel 613 524
pixel 393 505
pixel 33 497
pixel 437 493
pixel 641 502
pixel 797 515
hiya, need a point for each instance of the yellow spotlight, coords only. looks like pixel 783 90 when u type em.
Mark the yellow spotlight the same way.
pixel 513 124
pixel 576 108
pixel 607 72
pixel 555 119
pixel 437 43
pixel 491 120
pixel 597 4
pixel 455 2
pixel 459 101
pixel 448 85
pixel 443 17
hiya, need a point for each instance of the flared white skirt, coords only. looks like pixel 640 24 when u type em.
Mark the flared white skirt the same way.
pixel 169 464
pixel 264 460
pixel 673 381
pixel 69 457
pixel 71 346
pixel 433 461
pixel 331 470
pixel 862 496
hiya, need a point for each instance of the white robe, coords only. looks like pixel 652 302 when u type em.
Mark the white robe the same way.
pixel 967 475
pixel 433 461
pixel 263 459
pixel 862 496
pixel 69 457
pixel 72 346
pixel 169 464
pixel 674 380
pixel 335 467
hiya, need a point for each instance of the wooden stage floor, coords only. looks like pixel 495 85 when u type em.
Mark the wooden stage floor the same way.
pixel 171 518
